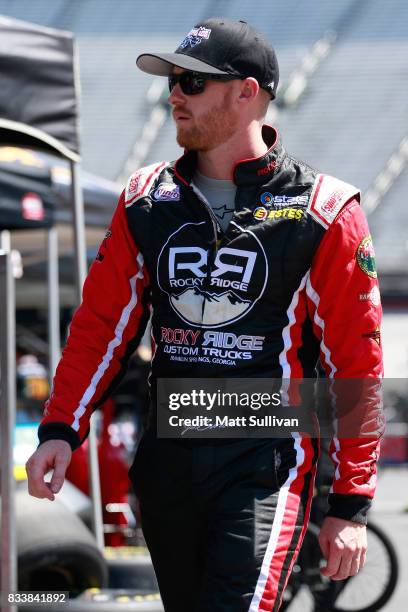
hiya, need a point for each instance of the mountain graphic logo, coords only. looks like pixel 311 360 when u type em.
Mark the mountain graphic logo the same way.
pixel 211 289
pixel 207 307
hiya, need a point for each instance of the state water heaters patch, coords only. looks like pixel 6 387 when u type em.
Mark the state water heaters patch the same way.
pixel 275 207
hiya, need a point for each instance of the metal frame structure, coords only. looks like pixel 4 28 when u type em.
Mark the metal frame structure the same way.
pixel 33 136
pixel 8 418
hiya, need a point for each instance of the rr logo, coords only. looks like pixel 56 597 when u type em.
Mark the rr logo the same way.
pixel 235 261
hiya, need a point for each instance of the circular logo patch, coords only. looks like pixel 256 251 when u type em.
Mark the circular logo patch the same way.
pixel 365 257
pixel 260 213
pixel 211 292
pixel 267 198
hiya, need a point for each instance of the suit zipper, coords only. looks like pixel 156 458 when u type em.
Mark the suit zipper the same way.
pixel 213 218
pixel 202 199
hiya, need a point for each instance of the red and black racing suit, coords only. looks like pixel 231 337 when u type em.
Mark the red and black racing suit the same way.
pixel 291 280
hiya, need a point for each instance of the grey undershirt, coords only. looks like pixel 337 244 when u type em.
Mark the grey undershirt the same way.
pixel 220 195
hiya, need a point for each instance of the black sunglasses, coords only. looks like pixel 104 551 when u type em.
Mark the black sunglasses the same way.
pixel 192 83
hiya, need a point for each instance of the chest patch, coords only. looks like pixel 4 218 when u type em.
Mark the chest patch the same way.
pixel 211 289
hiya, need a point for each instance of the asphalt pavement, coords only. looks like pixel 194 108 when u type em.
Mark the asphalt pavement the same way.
pixel 390 511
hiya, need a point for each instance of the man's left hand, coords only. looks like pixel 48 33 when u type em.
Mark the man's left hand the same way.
pixel 344 546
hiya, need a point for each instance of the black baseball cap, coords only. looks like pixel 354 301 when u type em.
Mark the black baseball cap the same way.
pixel 220 46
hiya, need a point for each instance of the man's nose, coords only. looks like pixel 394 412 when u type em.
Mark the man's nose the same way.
pixel 176 95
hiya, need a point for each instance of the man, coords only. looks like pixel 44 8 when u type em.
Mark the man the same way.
pixel 235 237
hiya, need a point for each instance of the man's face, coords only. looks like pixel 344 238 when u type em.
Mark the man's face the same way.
pixel 205 120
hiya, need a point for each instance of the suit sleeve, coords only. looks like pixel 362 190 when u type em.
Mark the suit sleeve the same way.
pixel 344 305
pixel 104 332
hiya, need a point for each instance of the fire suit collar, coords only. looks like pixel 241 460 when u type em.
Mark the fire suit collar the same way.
pixel 258 170
pixel 252 171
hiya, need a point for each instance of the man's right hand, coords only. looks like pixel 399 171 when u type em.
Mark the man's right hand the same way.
pixel 53 454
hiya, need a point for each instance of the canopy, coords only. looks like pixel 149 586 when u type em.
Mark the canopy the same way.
pixel 38 102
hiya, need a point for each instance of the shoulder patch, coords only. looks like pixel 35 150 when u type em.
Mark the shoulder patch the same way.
pixel 141 182
pixel 328 197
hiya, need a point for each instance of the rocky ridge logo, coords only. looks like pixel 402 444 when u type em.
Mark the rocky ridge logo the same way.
pixel 211 290
pixel 197 346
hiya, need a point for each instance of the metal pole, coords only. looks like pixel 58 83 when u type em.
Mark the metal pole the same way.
pixel 79 229
pixel 8 417
pixel 80 254
pixel 54 339
pixel 5 241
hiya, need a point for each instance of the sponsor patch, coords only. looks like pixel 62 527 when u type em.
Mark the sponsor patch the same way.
pixel 208 293
pixel 262 214
pixel 166 192
pixel 286 213
pixel 374 335
pixel 195 37
pixel 141 181
pixel 366 258
pixel 266 198
pixel 372 296
pixel 328 197
pixel 32 207
pixel 281 201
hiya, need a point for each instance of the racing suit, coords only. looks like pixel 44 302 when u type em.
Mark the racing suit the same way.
pixel 292 280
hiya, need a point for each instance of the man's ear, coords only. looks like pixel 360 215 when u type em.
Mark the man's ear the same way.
pixel 249 89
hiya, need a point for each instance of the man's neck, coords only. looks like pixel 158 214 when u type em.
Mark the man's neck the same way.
pixel 219 163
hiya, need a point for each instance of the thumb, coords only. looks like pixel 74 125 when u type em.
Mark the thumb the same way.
pixel 58 477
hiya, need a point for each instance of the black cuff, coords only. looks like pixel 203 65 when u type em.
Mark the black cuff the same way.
pixel 59 431
pixel 349 507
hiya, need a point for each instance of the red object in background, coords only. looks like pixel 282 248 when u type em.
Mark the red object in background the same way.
pixel 77 471
pixel 394 449
pixel 113 474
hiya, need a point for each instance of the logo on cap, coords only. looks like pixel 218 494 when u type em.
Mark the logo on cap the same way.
pixel 195 36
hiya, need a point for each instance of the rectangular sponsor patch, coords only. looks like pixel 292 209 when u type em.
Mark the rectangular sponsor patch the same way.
pixel 328 197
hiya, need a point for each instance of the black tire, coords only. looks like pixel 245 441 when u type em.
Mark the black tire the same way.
pixel 130 568
pixel 56 552
pixel 390 555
